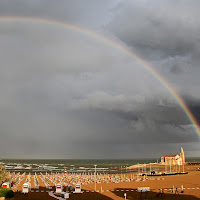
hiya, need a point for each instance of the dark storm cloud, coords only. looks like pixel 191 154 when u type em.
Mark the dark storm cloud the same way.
pixel 67 95
pixel 165 33
pixel 164 28
pixel 194 106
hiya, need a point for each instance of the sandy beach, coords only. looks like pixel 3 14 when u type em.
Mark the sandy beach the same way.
pixel 190 183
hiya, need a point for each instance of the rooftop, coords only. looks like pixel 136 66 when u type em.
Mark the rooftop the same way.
pixel 170 155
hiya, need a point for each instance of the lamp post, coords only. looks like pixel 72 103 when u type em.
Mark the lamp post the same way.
pixel 150 168
pixel 95 178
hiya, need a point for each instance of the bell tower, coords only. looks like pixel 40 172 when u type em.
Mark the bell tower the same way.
pixel 182 155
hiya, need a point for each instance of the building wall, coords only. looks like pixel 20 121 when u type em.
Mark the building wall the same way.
pixel 162 160
pixel 175 160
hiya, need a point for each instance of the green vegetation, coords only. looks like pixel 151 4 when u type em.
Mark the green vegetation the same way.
pixel 3 175
pixel 6 192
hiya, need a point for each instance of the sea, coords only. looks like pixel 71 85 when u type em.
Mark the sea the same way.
pixel 76 165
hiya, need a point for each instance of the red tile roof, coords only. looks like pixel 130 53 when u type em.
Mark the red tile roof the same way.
pixel 169 156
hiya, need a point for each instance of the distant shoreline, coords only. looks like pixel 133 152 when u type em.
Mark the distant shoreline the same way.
pixel 188 158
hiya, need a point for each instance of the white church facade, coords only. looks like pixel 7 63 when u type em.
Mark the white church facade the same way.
pixel 174 159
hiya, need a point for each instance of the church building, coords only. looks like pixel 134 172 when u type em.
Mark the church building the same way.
pixel 173 159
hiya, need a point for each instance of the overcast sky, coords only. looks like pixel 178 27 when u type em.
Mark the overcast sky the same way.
pixel 66 94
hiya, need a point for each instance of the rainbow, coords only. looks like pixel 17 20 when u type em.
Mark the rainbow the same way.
pixel 114 44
